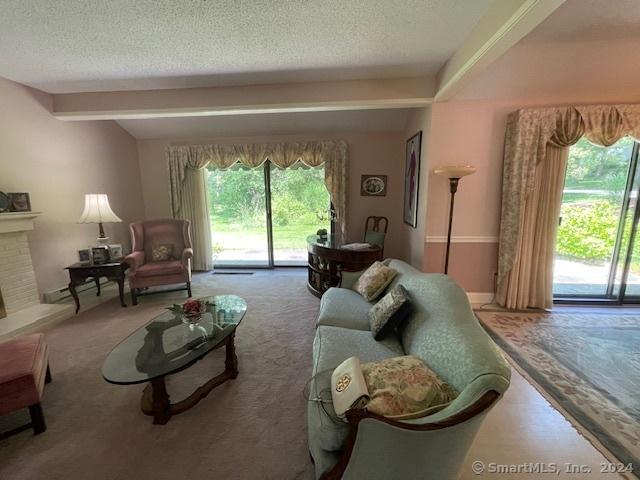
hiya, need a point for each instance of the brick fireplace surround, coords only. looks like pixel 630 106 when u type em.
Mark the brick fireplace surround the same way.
pixel 23 311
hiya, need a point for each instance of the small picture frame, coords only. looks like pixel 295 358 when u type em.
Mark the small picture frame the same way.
pixel 84 256
pixel 100 255
pixel 19 202
pixel 115 252
pixel 373 185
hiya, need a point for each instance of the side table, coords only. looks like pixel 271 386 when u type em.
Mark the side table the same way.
pixel 79 273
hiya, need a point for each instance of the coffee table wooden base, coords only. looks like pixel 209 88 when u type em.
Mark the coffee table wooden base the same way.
pixel 155 399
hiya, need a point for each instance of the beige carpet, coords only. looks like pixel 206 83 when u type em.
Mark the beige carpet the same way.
pixel 253 427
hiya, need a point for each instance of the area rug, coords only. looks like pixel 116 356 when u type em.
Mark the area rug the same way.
pixel 253 427
pixel 589 363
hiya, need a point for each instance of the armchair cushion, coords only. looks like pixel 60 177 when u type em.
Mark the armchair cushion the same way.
pixel 154 269
pixel 162 253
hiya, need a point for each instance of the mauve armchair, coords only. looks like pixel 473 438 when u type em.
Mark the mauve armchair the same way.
pixel 143 271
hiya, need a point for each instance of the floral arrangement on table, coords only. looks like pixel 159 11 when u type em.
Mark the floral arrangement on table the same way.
pixel 192 309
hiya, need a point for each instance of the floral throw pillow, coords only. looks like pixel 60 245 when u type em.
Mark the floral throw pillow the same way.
pixel 162 253
pixel 374 280
pixel 389 312
pixel 404 388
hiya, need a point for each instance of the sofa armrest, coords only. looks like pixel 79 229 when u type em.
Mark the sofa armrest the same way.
pixel 368 430
pixel 134 260
pixel 187 254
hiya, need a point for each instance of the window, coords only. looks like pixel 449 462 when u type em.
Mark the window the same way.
pixel 261 217
pixel 596 240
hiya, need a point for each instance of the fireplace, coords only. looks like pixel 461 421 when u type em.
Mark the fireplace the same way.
pixel 20 307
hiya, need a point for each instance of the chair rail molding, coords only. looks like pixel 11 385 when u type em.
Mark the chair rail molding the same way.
pixel 461 239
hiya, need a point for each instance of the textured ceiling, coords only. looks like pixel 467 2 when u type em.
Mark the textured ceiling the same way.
pixel 95 45
pixel 269 124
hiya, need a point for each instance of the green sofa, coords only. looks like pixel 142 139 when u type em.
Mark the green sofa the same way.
pixel 441 330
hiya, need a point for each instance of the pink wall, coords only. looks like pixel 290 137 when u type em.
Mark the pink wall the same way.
pixel 369 153
pixel 57 163
pixel 472 132
pixel 553 65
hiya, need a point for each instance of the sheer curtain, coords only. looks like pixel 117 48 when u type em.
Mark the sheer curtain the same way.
pixel 188 199
pixel 188 194
pixel 535 159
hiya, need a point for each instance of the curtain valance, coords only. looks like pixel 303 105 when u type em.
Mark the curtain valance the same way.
pixel 529 132
pixel 194 158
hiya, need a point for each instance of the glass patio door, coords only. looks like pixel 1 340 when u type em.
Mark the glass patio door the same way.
pixel 598 222
pixel 261 217
pixel 238 210
pixel 299 207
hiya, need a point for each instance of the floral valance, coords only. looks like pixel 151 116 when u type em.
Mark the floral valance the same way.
pixel 332 154
pixel 528 133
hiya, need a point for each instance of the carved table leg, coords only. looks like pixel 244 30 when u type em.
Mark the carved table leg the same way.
pixel 74 294
pixel 97 280
pixel 121 291
pixel 155 401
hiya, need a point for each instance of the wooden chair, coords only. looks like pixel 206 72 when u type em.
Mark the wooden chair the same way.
pixel 374 233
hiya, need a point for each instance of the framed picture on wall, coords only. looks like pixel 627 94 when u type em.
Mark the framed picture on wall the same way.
pixel 373 185
pixel 412 179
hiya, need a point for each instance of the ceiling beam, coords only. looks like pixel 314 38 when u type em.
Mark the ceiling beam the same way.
pixel 504 24
pixel 251 99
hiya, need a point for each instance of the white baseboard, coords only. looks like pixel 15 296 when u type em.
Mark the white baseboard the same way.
pixel 54 296
pixel 480 297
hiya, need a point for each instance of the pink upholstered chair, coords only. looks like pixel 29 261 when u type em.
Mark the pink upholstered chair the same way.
pixel 24 369
pixel 143 271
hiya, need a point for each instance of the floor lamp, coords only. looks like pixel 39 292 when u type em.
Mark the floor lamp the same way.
pixel 454 173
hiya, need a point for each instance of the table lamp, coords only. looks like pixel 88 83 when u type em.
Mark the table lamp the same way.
pixel 97 210
pixel 454 173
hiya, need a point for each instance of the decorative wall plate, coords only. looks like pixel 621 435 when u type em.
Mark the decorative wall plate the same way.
pixel 373 185
pixel 5 202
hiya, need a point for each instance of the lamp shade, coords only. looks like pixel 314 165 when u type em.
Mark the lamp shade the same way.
pixel 454 171
pixel 97 210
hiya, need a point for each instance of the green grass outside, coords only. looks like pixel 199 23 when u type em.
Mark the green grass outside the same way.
pixel 233 235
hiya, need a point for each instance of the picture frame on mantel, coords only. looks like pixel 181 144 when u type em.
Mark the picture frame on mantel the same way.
pixel 19 202
pixel 412 179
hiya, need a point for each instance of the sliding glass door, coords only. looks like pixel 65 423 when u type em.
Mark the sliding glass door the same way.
pixel 261 217
pixel 238 216
pixel 596 243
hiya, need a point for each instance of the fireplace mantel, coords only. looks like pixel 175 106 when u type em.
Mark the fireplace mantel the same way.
pixel 17 221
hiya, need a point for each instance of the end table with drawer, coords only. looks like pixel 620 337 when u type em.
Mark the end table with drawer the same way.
pixel 80 272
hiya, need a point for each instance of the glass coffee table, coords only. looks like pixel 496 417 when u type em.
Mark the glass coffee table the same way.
pixel 168 344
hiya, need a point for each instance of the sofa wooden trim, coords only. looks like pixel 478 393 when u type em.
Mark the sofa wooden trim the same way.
pixel 355 416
